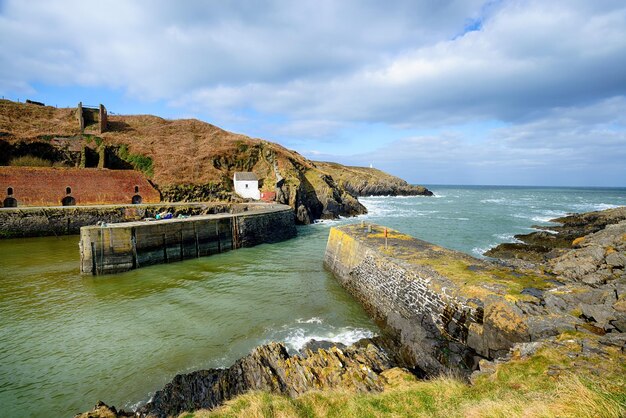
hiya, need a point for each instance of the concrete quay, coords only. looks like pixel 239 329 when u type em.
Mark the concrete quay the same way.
pixel 114 248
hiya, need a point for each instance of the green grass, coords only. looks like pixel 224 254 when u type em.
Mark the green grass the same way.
pixel 138 161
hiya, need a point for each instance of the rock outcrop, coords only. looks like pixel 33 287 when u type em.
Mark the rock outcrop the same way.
pixel 586 256
pixel 269 368
pixel 363 181
pixel 445 311
pixel 552 241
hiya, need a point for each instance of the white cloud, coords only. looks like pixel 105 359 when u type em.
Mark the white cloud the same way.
pixel 554 73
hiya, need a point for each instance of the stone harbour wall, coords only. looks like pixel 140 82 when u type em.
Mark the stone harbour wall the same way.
pixel 67 220
pixel 125 246
pixel 441 320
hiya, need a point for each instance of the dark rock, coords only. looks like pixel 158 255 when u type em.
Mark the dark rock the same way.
pixel 553 240
pixel 619 324
pixel 314 345
pixel 270 368
pixel 538 293
pixel 102 410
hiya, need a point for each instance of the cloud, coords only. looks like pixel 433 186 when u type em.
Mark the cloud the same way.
pixel 543 81
pixel 397 63
pixel 569 146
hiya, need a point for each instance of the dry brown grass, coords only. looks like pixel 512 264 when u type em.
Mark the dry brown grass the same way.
pixel 183 151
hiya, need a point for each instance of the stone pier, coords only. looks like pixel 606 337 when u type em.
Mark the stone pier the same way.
pixel 119 247
pixel 447 310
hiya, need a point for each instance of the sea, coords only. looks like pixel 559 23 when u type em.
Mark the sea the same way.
pixel 67 340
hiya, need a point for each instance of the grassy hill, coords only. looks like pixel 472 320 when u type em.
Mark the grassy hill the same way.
pixel 188 159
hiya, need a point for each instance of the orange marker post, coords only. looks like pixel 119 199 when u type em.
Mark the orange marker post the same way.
pixel 385 238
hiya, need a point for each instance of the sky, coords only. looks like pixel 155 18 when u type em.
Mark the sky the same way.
pixel 509 92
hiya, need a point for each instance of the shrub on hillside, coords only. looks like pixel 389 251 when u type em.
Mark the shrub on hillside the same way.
pixel 30 161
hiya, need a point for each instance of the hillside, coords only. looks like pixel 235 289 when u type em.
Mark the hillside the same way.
pixel 190 160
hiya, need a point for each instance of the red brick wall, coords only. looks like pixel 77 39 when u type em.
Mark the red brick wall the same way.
pixel 268 196
pixel 43 186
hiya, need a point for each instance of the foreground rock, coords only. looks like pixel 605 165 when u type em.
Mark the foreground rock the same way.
pixel 270 368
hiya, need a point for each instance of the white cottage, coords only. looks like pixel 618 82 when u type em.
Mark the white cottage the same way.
pixel 247 185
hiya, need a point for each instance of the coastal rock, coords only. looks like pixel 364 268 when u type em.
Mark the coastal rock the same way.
pixel 553 241
pixel 102 410
pixel 364 181
pixel 314 345
pixel 598 258
pixel 270 368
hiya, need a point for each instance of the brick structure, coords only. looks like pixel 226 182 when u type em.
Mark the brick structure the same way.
pixel 90 115
pixel 49 186
pixel 268 196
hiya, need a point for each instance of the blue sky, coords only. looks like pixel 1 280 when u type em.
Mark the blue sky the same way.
pixel 437 92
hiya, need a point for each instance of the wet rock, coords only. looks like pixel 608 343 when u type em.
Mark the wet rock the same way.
pixel 270 368
pixel 538 293
pixel 314 345
pixel 102 410
pixel 543 245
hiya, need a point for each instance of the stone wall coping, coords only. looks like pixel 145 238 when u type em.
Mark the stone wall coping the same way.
pixel 256 211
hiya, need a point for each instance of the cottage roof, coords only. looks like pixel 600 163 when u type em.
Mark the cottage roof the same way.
pixel 245 176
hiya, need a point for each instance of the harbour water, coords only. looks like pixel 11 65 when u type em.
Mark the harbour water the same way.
pixel 68 340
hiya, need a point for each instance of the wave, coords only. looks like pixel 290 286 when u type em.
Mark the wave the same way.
pixel 303 330
pixel 479 251
pixel 314 320
pixel 506 238
pixel 588 207
pixel 297 338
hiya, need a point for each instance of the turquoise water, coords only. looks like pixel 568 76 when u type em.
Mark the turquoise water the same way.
pixel 67 340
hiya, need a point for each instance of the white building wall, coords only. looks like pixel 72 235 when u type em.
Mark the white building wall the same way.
pixel 248 189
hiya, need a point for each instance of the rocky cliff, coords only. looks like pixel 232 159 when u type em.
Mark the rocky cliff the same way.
pixel 363 181
pixel 189 160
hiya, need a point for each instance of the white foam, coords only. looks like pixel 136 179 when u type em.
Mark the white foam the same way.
pixel 297 338
pixel 314 320
pixel 506 237
pixel 587 207
pixel 478 251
